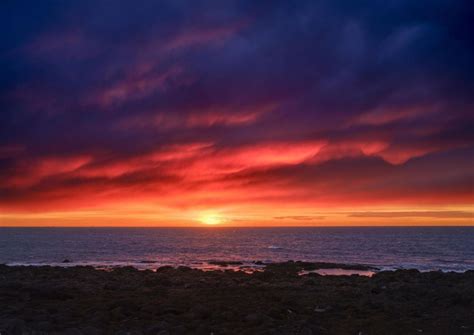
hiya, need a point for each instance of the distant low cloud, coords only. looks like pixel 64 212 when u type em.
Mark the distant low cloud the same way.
pixel 416 214
pixel 300 217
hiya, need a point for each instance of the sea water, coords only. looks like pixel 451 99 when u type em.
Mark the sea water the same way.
pixel 423 248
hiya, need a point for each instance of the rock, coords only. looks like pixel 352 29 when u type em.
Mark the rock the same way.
pixel 310 282
pixel 200 312
pixel 203 330
pixel 179 330
pixel 44 325
pixel 322 309
pixel 50 292
pixel 276 313
pixel 191 301
pixel 227 316
pixel 126 332
pixel 90 330
pixel 16 326
pixel 157 328
pixel 66 261
pixel 254 318
pixel 124 307
pixel 125 270
pixel 306 331
pixel 171 310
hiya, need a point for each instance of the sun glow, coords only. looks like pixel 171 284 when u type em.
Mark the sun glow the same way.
pixel 210 219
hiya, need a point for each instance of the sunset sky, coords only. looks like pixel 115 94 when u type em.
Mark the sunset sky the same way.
pixel 238 113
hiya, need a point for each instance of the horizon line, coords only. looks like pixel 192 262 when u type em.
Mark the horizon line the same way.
pixel 223 226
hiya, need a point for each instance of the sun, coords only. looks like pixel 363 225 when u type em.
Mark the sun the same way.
pixel 210 219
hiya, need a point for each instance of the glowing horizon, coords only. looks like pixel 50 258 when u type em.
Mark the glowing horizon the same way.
pixel 182 118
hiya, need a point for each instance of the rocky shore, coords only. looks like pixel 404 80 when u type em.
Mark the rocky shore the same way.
pixel 278 300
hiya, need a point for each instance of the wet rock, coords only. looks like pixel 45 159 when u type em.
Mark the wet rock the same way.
pixel 125 270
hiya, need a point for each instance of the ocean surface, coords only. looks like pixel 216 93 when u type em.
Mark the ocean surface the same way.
pixel 423 248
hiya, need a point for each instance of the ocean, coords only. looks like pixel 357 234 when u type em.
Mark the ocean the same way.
pixel 423 248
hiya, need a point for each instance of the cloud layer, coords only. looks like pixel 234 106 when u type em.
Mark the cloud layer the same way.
pixel 237 105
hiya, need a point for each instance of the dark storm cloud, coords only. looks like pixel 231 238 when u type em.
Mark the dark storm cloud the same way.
pixel 114 83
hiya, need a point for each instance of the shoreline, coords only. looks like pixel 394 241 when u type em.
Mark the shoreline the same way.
pixel 234 265
pixel 212 265
pixel 277 300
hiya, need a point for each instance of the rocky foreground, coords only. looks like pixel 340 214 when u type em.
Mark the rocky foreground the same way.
pixel 82 300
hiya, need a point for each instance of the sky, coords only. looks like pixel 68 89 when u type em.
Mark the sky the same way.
pixel 236 113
